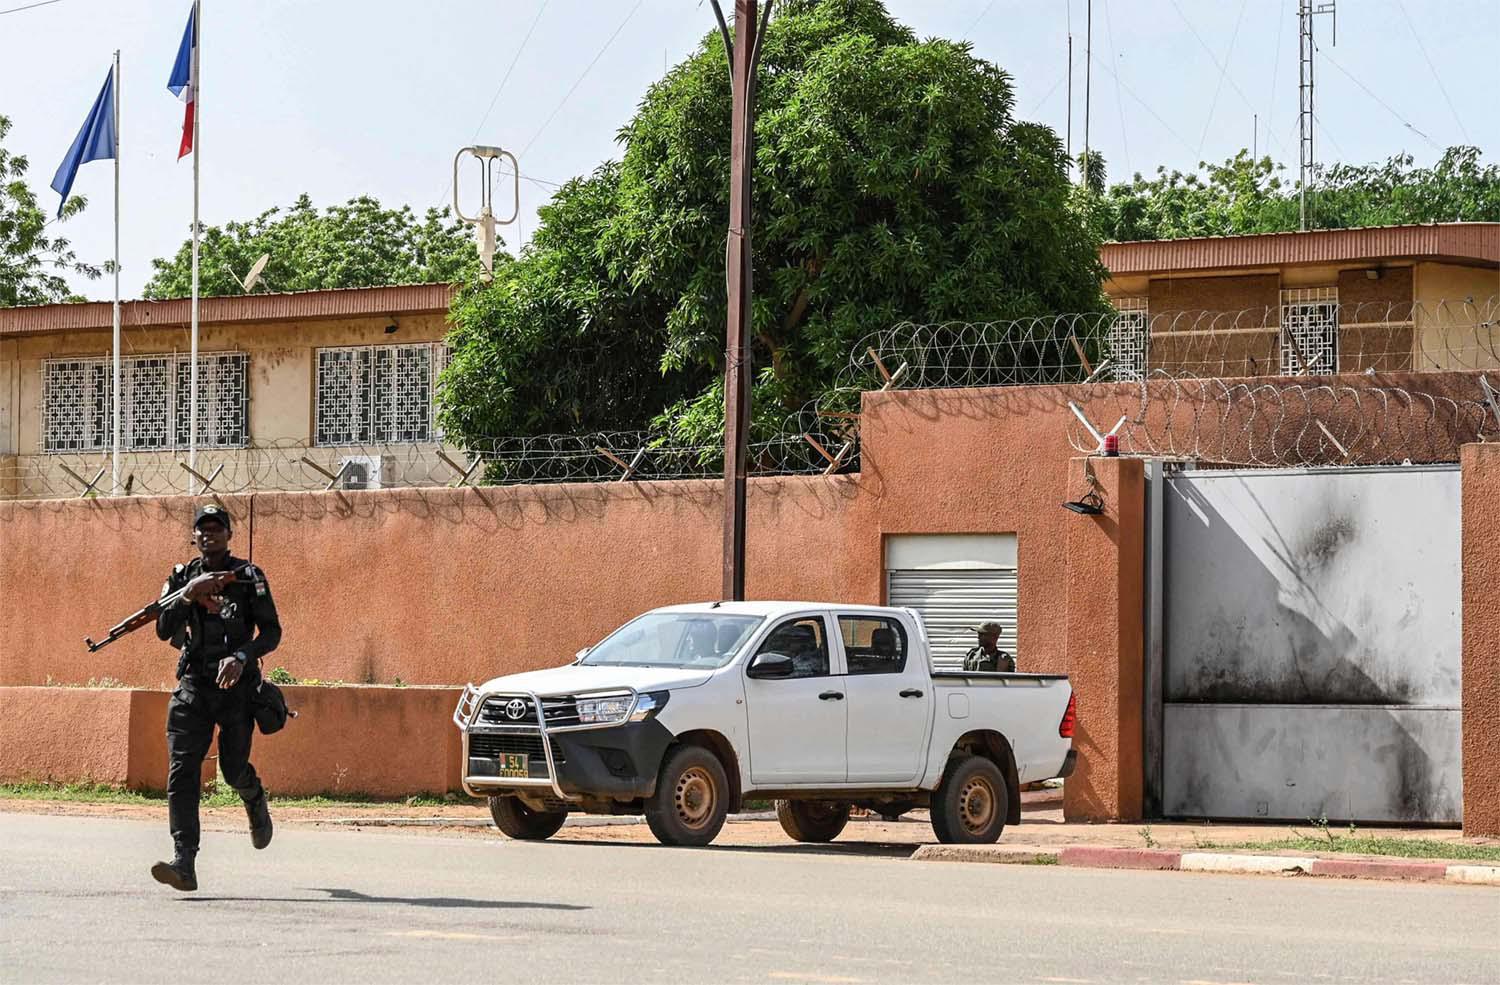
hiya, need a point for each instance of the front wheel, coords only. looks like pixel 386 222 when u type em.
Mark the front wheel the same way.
pixel 522 823
pixel 970 805
pixel 691 799
pixel 812 821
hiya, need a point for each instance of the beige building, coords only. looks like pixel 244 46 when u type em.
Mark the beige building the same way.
pixel 1329 301
pixel 292 388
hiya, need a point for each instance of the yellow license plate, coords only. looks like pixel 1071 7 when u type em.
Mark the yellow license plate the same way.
pixel 513 764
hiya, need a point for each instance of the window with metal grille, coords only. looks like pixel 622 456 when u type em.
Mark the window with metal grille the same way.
pixel 1129 335
pixel 78 405
pixel 377 394
pixel 1310 330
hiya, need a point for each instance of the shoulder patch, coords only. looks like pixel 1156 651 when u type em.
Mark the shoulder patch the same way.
pixel 178 569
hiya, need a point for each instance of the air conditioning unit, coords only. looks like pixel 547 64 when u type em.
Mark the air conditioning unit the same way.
pixel 367 471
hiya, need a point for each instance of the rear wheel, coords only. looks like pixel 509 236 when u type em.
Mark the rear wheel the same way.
pixel 812 820
pixel 691 799
pixel 518 821
pixel 971 803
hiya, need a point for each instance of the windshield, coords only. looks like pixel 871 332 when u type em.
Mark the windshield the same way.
pixel 699 640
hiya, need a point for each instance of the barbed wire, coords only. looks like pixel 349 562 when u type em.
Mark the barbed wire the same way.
pixel 1183 384
pixel 1305 338
pixel 291 465
pixel 1285 423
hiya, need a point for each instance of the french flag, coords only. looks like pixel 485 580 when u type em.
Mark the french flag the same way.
pixel 184 81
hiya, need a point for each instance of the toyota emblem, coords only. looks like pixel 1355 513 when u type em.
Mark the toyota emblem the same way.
pixel 515 709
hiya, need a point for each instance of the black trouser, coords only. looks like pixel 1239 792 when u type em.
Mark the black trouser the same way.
pixel 196 707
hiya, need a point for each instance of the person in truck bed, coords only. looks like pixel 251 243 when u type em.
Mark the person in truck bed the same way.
pixel 988 655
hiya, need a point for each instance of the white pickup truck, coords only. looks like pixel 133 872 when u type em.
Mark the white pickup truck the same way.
pixel 686 711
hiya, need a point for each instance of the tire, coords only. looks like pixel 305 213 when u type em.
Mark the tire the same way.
pixel 522 823
pixel 812 821
pixel 970 805
pixel 691 799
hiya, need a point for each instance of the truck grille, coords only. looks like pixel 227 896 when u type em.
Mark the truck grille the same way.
pixel 488 745
pixel 502 711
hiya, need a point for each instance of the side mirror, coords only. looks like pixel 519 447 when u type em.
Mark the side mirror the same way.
pixel 771 665
pixel 581 654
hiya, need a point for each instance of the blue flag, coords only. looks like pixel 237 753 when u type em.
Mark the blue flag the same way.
pixel 95 142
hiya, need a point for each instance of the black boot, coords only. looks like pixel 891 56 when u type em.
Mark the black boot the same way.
pixel 260 820
pixel 177 873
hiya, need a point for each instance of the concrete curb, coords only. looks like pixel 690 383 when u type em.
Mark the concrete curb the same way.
pixel 995 854
pixel 1093 857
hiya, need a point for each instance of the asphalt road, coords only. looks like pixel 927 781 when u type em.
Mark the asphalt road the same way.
pixel 77 904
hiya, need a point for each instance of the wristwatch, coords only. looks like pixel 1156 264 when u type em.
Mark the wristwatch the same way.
pixel 240 656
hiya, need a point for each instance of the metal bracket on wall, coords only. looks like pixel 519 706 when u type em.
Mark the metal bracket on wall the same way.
pixel 208 483
pixel 464 474
pixel 627 468
pixel 834 461
pixel 88 485
pixel 333 479
pixel 1491 397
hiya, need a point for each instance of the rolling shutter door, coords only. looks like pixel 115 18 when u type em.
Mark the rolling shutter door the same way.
pixel 953 600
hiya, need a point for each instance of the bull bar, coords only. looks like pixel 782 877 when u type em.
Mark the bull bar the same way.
pixel 472 701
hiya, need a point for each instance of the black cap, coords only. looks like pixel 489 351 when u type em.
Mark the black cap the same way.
pixel 212 511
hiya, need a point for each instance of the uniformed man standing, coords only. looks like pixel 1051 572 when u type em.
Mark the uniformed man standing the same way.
pixel 222 631
pixel 988 655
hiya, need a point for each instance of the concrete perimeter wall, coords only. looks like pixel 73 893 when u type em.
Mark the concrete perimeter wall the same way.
pixel 1481 639
pixel 368 740
pixel 443 586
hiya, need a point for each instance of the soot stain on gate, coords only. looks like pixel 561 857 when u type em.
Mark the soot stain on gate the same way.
pixel 1294 661
pixel 1324 543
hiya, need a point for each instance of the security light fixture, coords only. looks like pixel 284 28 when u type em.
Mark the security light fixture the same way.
pixel 1089 505
pixel 391 328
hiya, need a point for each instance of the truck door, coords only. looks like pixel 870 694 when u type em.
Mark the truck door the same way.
pixel 797 721
pixel 890 698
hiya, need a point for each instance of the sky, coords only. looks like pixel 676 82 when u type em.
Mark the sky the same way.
pixel 338 98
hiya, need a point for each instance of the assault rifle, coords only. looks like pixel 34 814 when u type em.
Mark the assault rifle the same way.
pixel 148 614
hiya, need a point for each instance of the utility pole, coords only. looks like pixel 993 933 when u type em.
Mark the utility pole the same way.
pixel 1306 11
pixel 1070 99
pixel 1088 78
pixel 744 53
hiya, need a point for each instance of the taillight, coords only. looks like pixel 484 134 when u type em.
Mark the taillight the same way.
pixel 1069 719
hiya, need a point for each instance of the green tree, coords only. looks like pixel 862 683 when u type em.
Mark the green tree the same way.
pixel 32 262
pixel 1249 195
pixel 892 182
pixel 358 244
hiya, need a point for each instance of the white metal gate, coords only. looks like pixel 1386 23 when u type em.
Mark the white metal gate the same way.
pixel 955 582
pixel 1307 644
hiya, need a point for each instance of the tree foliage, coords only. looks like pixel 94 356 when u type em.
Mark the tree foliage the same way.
pixel 32 263
pixel 892 182
pixel 358 244
pixel 1250 195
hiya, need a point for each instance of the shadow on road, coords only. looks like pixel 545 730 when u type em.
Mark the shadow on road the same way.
pixel 858 849
pixel 351 896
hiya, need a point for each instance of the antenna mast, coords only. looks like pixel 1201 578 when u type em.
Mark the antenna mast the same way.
pixel 1306 11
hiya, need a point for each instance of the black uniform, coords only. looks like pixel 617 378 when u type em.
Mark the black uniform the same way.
pixel 977 659
pixel 246 625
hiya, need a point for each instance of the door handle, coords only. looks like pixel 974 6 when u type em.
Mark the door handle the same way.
pixel 911 692
pixel 831 696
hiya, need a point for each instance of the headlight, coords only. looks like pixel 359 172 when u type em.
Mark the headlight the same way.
pixel 603 711
pixel 647 705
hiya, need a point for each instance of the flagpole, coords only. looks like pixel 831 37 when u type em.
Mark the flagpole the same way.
pixel 115 457
pixel 197 93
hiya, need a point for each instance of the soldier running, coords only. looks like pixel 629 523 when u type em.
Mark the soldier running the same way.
pixel 222 632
